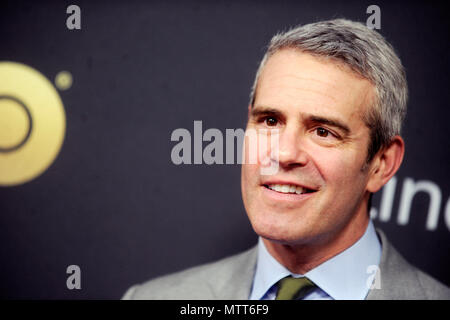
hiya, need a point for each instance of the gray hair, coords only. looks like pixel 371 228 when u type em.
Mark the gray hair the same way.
pixel 368 54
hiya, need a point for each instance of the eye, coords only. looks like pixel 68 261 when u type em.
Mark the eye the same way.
pixel 271 121
pixel 321 132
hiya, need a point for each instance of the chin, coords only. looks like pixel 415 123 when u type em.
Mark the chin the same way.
pixel 285 239
pixel 286 230
pixel 276 230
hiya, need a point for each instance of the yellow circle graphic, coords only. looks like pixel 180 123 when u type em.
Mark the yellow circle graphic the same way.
pixel 32 123
pixel 63 80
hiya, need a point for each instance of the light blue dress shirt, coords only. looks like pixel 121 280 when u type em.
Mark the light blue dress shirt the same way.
pixel 346 276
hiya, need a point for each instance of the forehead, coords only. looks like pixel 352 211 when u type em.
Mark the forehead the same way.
pixel 303 82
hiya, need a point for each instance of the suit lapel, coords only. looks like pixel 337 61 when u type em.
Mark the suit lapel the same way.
pixel 237 282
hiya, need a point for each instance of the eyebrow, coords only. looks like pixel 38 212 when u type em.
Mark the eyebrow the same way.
pixel 328 121
pixel 262 111
pixel 333 122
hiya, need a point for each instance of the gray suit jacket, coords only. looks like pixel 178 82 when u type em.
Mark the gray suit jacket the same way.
pixel 231 279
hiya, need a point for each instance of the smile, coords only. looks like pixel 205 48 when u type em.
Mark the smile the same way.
pixel 288 188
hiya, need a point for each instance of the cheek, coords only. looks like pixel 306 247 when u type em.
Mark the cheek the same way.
pixel 260 145
pixel 339 168
pixel 248 177
pixel 249 184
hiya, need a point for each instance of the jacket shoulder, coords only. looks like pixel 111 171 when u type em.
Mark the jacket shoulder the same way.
pixel 402 280
pixel 432 288
pixel 223 279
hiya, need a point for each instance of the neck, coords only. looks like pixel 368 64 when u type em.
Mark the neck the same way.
pixel 300 259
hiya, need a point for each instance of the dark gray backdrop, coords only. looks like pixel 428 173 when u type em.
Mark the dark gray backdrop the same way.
pixel 113 202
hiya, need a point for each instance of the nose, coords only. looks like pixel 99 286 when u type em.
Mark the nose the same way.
pixel 291 152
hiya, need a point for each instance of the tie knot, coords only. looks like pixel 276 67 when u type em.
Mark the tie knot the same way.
pixel 290 288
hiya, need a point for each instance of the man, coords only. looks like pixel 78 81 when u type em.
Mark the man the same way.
pixel 336 92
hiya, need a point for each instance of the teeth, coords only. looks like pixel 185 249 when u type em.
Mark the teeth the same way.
pixel 299 190
pixel 276 187
pixel 286 188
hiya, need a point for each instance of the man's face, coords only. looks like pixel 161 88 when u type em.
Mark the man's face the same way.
pixel 317 107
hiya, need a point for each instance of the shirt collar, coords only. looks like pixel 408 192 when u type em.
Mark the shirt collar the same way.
pixel 342 277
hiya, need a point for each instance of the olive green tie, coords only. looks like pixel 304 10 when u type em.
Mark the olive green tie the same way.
pixel 290 288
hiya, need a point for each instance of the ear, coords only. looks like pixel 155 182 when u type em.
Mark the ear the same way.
pixel 385 164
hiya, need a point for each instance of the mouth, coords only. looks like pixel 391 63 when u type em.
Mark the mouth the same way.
pixel 288 188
